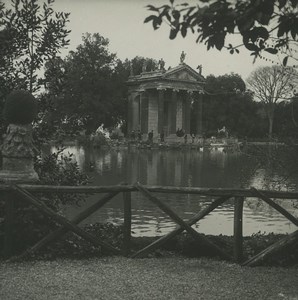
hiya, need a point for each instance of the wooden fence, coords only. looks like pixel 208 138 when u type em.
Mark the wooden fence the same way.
pixel 27 192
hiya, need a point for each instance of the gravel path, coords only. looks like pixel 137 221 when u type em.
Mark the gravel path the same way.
pixel 164 278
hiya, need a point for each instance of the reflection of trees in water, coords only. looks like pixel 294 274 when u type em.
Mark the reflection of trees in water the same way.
pixel 274 167
pixel 258 206
pixel 262 167
pixel 173 168
pixel 78 154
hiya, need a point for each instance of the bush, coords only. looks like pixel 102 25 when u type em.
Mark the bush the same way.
pixel 30 225
pixel 20 108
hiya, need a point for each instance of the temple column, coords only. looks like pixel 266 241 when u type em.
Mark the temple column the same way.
pixel 130 113
pixel 179 112
pixel 152 113
pixel 187 112
pixel 160 110
pixel 135 112
pixel 144 112
pixel 199 114
pixel 173 112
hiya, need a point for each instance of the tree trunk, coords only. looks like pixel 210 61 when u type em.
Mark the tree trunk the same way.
pixel 293 115
pixel 270 127
pixel 270 114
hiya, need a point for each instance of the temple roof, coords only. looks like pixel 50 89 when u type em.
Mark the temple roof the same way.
pixel 182 77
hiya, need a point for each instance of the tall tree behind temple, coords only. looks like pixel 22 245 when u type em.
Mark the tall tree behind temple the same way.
pixel 227 103
pixel 81 84
pixel 285 125
pixel 272 85
pixel 88 88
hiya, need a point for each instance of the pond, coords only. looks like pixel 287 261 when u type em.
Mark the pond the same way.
pixel 211 168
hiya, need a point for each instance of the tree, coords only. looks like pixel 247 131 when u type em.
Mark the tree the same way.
pixel 88 88
pixel 265 25
pixel 137 63
pixel 270 86
pixel 285 120
pixel 84 87
pixel 228 103
pixel 29 36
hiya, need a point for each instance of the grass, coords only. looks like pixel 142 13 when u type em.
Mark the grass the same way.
pixel 150 278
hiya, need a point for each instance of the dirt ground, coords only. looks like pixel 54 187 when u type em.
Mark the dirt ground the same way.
pixel 150 278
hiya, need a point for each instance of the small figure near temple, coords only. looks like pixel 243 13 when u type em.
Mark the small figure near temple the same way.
pixel 223 132
pixel 182 57
pixel 199 67
pixel 133 135
pixel 139 134
pixel 180 132
pixel 150 137
pixel 162 137
pixel 193 136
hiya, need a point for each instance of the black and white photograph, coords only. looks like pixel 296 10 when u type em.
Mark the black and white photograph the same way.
pixel 149 149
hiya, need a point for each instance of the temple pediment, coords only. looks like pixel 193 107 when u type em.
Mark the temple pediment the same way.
pixel 181 77
pixel 183 72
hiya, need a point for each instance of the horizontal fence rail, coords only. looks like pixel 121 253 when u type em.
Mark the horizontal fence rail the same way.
pixel 158 189
pixel 27 191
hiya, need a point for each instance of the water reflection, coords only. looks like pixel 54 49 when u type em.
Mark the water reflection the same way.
pixel 179 168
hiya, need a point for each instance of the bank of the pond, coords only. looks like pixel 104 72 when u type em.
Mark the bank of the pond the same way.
pixel 72 246
pixel 122 278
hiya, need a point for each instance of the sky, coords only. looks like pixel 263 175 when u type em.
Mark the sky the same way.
pixel 122 22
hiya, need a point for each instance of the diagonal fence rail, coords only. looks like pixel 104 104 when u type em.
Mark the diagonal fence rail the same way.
pixel 27 192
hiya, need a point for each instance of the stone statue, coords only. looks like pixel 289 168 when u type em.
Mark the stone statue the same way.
pixel 144 66
pixel 18 141
pixel 130 69
pixel 182 57
pixel 17 149
pixel 161 64
pixel 199 67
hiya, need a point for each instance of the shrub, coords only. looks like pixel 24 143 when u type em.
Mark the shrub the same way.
pixel 20 107
pixel 30 225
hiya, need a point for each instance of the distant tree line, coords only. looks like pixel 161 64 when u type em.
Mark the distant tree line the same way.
pixel 228 102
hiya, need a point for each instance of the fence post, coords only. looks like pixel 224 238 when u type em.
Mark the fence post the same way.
pixel 8 224
pixel 238 228
pixel 127 223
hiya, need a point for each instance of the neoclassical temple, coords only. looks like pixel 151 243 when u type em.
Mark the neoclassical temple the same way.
pixel 161 100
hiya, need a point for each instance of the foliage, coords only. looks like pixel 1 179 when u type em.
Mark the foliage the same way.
pixel 265 26
pixel 59 169
pixel 88 88
pixel 227 103
pixel 138 64
pixel 30 35
pixel 259 241
pixel 274 165
pixel 285 125
pixel 83 86
pixel 270 86
pixel 20 107
pixel 30 225
pixel 73 246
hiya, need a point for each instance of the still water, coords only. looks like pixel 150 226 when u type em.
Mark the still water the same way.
pixel 188 168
